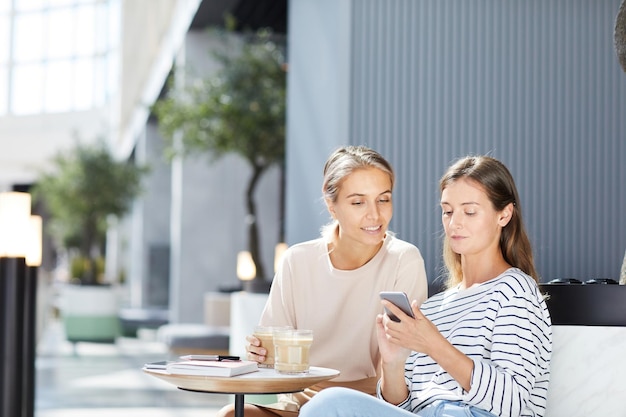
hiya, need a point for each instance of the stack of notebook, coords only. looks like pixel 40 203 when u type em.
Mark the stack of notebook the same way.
pixel 208 366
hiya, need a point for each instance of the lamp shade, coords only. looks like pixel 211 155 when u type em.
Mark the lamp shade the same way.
pixel 14 223
pixel 33 251
pixel 278 254
pixel 246 270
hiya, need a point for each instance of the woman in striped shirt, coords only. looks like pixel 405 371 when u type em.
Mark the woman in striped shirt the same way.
pixel 481 348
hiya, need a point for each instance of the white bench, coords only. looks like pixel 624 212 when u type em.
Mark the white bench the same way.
pixel 212 336
pixel 588 371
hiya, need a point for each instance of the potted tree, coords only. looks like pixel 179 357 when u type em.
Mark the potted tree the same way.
pixel 85 187
pixel 240 109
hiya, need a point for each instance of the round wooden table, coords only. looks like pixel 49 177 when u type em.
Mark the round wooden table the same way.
pixel 263 381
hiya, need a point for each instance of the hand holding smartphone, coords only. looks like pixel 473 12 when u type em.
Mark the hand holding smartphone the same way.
pixel 399 299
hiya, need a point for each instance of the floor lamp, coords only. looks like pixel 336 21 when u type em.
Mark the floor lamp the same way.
pixel 17 345
pixel 33 261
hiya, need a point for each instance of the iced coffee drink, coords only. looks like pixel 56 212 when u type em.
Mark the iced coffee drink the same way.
pixel 292 351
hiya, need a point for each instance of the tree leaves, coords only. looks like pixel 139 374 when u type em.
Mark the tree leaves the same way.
pixel 86 186
pixel 239 109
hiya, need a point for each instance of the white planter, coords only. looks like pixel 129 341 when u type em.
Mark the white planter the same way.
pixel 90 313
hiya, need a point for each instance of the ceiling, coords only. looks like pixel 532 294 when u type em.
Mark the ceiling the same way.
pixel 249 14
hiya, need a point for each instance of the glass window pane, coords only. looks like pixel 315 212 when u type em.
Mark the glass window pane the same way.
pixel 4 83
pixel 28 40
pixel 111 75
pixel 5 37
pixel 114 18
pixel 27 94
pixel 59 3
pixel 85 31
pixel 63 50
pixel 60 34
pixel 102 29
pixel 58 94
pixel 29 5
pixel 84 84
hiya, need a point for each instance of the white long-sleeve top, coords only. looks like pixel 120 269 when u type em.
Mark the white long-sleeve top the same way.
pixel 341 306
pixel 504 326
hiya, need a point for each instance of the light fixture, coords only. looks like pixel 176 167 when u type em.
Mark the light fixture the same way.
pixel 279 251
pixel 34 240
pixel 246 270
pixel 14 224
pixel 33 261
pixel 20 238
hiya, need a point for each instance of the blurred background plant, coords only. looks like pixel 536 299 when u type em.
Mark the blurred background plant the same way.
pixel 83 188
pixel 239 109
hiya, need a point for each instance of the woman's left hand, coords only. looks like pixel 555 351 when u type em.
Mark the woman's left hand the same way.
pixel 420 335
pixel 415 334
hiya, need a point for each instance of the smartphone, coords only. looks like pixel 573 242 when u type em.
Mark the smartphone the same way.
pixel 156 365
pixel 399 299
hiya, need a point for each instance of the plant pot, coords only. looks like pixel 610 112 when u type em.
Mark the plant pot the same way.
pixel 90 313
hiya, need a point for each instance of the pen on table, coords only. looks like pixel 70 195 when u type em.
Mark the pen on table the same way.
pixel 218 358
pixel 227 358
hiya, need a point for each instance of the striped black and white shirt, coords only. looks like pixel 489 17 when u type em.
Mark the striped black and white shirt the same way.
pixel 504 326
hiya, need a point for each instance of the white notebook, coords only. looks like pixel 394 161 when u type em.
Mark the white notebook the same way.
pixel 212 368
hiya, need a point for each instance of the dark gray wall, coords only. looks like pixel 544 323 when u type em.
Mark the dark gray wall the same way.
pixel 533 83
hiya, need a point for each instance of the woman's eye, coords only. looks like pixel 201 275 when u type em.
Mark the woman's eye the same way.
pixel 470 213
pixel 357 203
pixel 446 213
pixel 384 200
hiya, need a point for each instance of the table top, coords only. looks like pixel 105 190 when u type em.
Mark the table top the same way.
pixel 263 381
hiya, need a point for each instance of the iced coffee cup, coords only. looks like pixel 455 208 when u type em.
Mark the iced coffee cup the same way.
pixel 292 351
pixel 266 335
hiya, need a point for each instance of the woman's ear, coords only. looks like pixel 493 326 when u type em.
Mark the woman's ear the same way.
pixel 506 214
pixel 330 206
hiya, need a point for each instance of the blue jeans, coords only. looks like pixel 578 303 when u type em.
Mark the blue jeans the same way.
pixel 344 402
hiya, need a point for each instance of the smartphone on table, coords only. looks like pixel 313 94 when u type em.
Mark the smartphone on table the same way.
pixel 399 299
pixel 156 365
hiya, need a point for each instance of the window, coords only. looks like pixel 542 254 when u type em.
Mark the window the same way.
pixel 56 55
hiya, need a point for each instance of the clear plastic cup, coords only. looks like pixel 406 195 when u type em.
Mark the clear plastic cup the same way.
pixel 266 335
pixel 292 351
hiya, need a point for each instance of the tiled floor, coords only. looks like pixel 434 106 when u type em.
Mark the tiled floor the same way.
pixel 101 380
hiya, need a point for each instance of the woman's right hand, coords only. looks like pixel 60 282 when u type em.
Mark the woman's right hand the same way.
pixel 391 353
pixel 393 358
pixel 254 350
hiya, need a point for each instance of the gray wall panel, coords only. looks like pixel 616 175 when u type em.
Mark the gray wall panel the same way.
pixel 318 85
pixel 536 84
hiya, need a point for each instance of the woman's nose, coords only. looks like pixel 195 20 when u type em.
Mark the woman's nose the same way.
pixel 373 211
pixel 454 222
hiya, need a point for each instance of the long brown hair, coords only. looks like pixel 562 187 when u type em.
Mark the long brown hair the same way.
pixel 498 184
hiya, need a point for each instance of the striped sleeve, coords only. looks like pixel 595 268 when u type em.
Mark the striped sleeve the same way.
pixel 513 380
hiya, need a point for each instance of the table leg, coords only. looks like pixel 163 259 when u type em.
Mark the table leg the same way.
pixel 238 405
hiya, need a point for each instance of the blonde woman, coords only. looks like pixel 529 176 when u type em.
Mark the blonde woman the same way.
pixel 331 284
